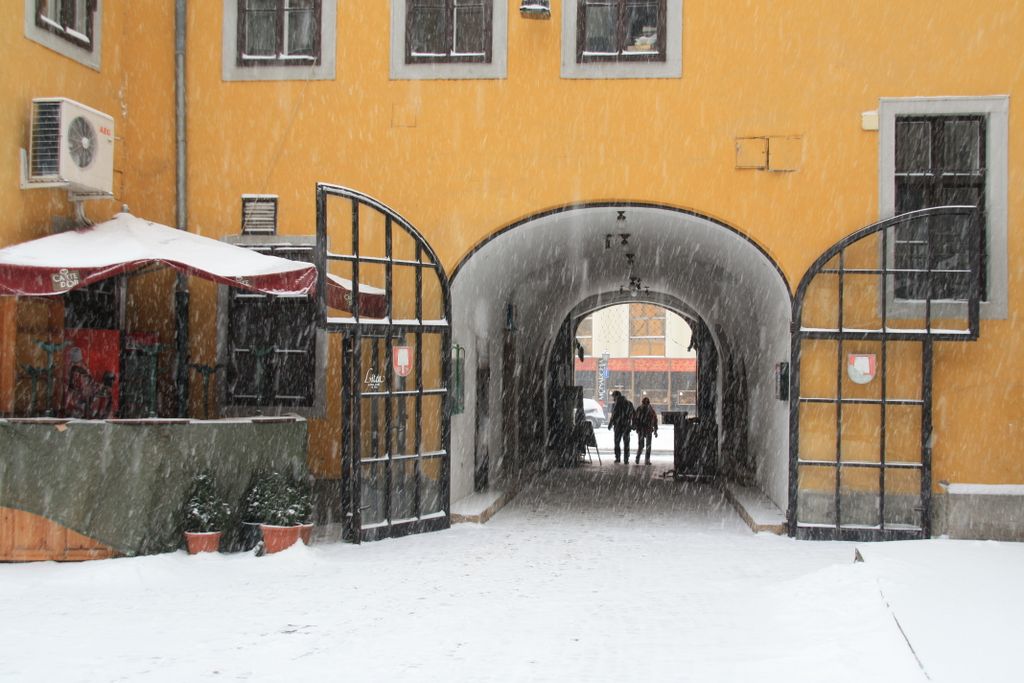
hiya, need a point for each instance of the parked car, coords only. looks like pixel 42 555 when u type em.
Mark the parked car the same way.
pixel 593 412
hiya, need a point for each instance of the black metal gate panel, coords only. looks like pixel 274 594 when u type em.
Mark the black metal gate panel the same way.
pixel 382 290
pixel 865 317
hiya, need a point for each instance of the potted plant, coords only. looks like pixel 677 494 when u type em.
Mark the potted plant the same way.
pixel 253 510
pixel 283 508
pixel 206 515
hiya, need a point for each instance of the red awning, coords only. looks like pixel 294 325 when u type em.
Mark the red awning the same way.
pixel 59 263
pixel 373 301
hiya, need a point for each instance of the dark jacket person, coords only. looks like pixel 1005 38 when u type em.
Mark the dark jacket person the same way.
pixel 621 421
pixel 646 424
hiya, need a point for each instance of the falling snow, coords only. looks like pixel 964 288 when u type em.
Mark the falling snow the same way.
pixel 597 573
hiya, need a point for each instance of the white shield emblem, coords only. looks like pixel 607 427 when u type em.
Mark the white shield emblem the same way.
pixel 860 367
pixel 401 360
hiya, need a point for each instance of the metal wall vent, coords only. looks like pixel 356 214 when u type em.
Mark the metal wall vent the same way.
pixel 259 214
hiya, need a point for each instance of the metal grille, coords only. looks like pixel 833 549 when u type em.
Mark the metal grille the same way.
pixel 45 154
pixel 396 412
pixel 861 386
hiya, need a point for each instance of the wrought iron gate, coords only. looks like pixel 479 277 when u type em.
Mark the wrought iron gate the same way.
pixel 865 317
pixel 383 290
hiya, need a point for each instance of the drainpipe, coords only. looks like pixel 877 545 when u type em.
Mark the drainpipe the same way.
pixel 181 288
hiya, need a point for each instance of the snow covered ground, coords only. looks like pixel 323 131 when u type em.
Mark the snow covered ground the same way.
pixel 594 574
pixel 661 444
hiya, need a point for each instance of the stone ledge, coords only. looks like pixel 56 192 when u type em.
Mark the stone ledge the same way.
pixel 980 511
pixel 478 507
pixel 760 513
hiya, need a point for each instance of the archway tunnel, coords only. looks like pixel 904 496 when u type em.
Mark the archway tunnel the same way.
pixel 518 295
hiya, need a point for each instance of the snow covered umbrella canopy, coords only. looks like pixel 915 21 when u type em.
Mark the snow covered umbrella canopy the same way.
pixel 60 263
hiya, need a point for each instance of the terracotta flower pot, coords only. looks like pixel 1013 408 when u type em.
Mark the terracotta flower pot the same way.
pixel 202 542
pixel 306 533
pixel 278 538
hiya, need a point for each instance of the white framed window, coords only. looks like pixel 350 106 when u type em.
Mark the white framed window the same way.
pixel 69 27
pixel 622 39
pixel 921 139
pixel 279 40
pixel 620 31
pixel 448 31
pixel 448 39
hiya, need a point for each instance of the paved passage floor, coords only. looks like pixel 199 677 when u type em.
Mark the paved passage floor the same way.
pixel 604 573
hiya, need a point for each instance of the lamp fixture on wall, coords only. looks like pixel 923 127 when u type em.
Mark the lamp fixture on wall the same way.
pixel 535 9
pixel 623 239
pixel 634 287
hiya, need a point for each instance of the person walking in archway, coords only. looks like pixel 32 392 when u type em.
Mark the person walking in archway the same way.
pixel 621 421
pixel 646 424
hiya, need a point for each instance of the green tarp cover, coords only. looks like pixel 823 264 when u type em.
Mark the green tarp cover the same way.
pixel 124 484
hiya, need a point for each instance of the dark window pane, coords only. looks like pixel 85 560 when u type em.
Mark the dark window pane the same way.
pixel 292 383
pixel 293 324
pixel 50 9
pixel 251 321
pixel 947 148
pixel 373 493
pixel 913 146
pixel 684 381
pixel 587 380
pixel 273 350
pixel 469 29
pixel 911 194
pixel 92 307
pixel 651 381
pixel 642 29
pixel 950 250
pixel 961 196
pixel 599 27
pixel 684 391
pixel 403 489
pixel 911 252
pixel 241 377
pixel 623 381
pixel 430 486
pixel 300 28
pixel 427 28
pixel 80 16
pixel 261 30
pixel 961 148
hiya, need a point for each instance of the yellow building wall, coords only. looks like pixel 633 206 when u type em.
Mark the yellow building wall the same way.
pixel 134 85
pixel 462 159
pixel 480 154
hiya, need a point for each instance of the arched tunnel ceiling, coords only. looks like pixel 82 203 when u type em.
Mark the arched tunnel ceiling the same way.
pixel 546 266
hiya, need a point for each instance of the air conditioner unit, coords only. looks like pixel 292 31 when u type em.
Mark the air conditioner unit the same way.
pixel 71 144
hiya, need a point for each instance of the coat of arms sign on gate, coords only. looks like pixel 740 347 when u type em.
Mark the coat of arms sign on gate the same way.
pixel 401 360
